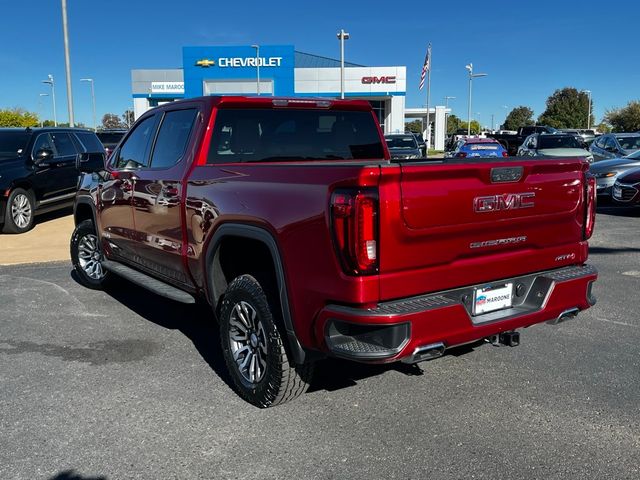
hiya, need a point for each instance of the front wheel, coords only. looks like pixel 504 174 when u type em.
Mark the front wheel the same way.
pixel 87 256
pixel 253 347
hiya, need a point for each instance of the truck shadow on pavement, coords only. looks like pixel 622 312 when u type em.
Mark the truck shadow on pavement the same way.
pixel 198 324
pixel 72 475
pixel 195 321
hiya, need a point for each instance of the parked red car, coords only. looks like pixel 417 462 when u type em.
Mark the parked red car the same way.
pixel 289 218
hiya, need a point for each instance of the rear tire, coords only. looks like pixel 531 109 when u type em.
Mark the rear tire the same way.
pixel 19 212
pixel 87 256
pixel 254 350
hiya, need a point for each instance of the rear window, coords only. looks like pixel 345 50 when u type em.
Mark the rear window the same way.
pixel 13 143
pixel 255 135
pixel 483 146
pixel 90 142
pixel 558 142
pixel 407 141
pixel 629 143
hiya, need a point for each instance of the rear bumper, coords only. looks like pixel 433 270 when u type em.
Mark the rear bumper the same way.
pixel 394 331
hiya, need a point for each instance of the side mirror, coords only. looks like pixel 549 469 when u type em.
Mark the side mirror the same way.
pixel 42 155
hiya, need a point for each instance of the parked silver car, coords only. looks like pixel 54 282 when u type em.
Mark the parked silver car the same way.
pixel 614 145
pixel 608 171
pixel 554 145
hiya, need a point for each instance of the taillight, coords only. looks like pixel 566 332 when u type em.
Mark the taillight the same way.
pixel 354 224
pixel 461 155
pixel 505 154
pixel 590 210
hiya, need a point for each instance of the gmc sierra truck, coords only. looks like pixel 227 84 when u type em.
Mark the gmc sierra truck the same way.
pixel 290 219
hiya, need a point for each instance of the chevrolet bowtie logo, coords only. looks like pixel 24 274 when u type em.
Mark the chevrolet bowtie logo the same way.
pixel 205 62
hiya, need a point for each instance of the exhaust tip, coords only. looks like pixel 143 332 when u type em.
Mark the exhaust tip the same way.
pixel 564 316
pixel 425 352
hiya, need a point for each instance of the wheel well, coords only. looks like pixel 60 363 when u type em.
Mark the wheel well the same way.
pixel 23 185
pixel 83 212
pixel 237 256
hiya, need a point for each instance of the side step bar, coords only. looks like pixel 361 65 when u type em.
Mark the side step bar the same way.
pixel 145 281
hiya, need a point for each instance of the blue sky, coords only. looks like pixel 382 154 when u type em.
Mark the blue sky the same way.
pixel 528 49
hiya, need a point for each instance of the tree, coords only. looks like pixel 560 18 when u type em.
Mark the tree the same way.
pixel 17 117
pixel 453 124
pixel 50 123
pixel 111 120
pixel 475 126
pixel 602 127
pixel 519 117
pixel 415 126
pixel 567 108
pixel 128 118
pixel 626 119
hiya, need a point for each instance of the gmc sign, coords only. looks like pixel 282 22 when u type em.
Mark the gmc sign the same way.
pixel 507 201
pixel 371 80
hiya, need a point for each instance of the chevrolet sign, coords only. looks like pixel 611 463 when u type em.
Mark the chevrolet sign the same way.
pixel 205 62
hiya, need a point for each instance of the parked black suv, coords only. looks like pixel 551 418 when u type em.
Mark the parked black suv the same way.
pixel 39 171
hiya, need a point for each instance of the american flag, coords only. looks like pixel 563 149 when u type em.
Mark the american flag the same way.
pixel 426 67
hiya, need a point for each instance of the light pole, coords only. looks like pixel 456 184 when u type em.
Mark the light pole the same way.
pixel 588 92
pixel 93 100
pixel 40 107
pixel 471 77
pixel 257 47
pixel 67 62
pixel 53 97
pixel 342 36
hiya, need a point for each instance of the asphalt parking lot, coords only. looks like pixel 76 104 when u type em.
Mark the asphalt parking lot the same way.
pixel 123 384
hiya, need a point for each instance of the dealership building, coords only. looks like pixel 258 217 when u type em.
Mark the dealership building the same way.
pixel 280 70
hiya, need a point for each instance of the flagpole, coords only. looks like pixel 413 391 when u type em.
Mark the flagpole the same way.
pixel 428 142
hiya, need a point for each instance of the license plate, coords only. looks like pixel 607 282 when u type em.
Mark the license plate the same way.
pixel 496 297
pixel 617 192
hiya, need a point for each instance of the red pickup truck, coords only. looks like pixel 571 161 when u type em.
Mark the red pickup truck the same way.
pixel 289 218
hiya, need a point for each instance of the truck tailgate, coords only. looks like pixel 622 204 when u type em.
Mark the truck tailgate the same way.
pixel 467 223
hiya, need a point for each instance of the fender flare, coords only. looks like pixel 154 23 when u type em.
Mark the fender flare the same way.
pixel 83 200
pixel 262 235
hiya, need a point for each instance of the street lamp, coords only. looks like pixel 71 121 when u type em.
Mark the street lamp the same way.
pixel 53 97
pixel 342 36
pixel 257 47
pixel 588 92
pixel 471 77
pixel 446 101
pixel 93 100
pixel 40 107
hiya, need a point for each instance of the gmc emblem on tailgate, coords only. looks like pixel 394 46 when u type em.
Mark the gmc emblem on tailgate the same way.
pixel 506 201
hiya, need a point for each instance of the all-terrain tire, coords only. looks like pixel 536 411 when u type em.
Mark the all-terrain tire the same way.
pixel 86 256
pixel 253 347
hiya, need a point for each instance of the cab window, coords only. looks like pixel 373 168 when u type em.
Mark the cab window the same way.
pixel 134 152
pixel 173 138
